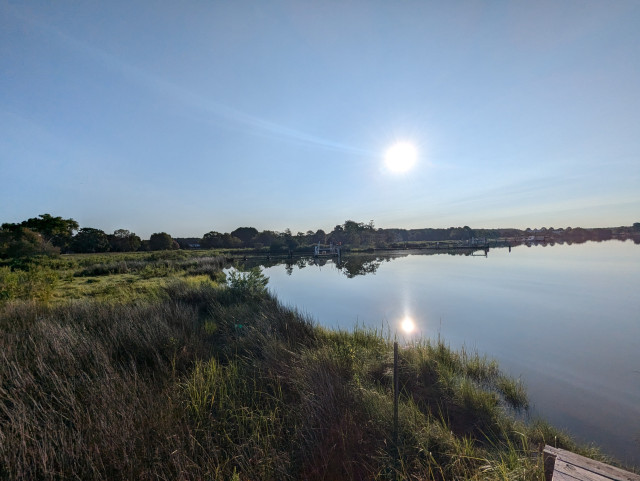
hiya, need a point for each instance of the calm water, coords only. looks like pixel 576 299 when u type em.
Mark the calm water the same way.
pixel 566 319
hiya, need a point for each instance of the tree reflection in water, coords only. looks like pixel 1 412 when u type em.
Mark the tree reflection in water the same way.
pixel 351 265
pixel 360 265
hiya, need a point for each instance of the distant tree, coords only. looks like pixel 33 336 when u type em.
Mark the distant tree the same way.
pixel 56 230
pixel 265 238
pixel 245 234
pixel 351 226
pixel 289 240
pixel 468 232
pixel 123 240
pixel 89 239
pixel 216 240
pixel 212 240
pixel 230 241
pixel 277 245
pixel 319 236
pixel 17 241
pixel 354 233
pixel 457 233
pixel 161 241
pixel 636 226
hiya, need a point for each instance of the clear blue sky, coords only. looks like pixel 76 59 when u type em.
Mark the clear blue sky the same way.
pixel 193 116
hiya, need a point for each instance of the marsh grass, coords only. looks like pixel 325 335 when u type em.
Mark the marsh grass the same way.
pixel 108 277
pixel 191 378
pixel 34 283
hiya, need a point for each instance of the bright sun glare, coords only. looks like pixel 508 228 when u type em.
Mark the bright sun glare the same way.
pixel 408 325
pixel 400 157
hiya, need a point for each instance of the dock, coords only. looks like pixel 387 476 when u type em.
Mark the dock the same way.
pixel 327 251
pixel 562 465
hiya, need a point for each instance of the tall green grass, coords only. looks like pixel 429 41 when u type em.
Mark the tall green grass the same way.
pixel 208 381
pixel 112 277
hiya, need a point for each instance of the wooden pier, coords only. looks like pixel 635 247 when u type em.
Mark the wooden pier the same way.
pixel 561 465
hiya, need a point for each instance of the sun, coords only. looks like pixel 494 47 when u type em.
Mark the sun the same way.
pixel 407 325
pixel 401 157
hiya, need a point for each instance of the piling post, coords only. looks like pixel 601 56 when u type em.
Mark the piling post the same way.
pixel 396 393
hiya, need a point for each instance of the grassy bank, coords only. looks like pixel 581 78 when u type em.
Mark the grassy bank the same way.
pixel 109 277
pixel 213 380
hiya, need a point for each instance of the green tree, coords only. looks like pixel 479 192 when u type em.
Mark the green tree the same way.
pixel 90 240
pixel 245 234
pixel 56 230
pixel 289 240
pixel 277 246
pixel 351 226
pixel 211 240
pixel 215 240
pixel 17 241
pixel 468 232
pixel 161 241
pixel 123 240
pixel 266 237
pixel 319 236
pixel 230 241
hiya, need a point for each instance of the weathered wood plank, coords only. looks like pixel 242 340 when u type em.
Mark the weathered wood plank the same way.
pixel 565 465
pixel 569 472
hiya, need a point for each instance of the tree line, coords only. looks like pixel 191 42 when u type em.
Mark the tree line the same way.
pixel 51 235
pixel 48 235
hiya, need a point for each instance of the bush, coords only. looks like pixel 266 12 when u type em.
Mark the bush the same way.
pixel 9 284
pixel 37 283
pixel 252 283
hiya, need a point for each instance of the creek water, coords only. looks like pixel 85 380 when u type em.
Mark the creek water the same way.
pixel 564 318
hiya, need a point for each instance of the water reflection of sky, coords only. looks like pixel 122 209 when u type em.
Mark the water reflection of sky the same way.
pixel 565 318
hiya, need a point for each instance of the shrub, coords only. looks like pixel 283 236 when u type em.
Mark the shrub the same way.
pixel 37 283
pixel 9 283
pixel 252 283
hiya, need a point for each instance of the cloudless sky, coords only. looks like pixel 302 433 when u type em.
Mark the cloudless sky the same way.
pixel 193 116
